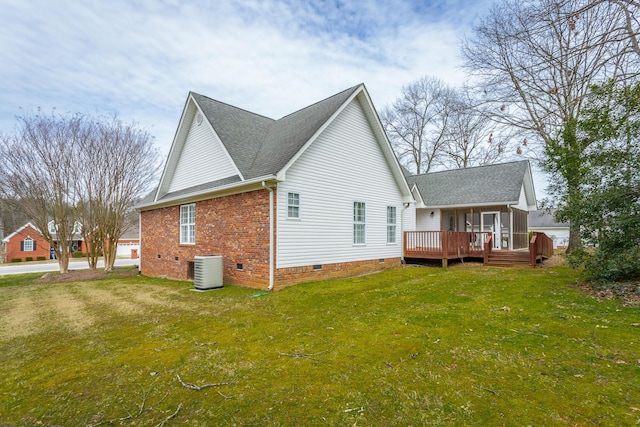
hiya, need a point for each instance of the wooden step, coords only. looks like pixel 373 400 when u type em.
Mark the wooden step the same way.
pixel 508 259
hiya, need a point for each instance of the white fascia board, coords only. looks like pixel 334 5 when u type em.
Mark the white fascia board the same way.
pixel 386 147
pixel 15 233
pixel 179 140
pixel 472 205
pixel 170 164
pixel 529 189
pixel 282 172
pixel 416 191
pixel 224 148
pixel 224 190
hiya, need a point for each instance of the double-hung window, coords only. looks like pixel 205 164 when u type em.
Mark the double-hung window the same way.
pixel 293 205
pixel 359 223
pixel 391 224
pixel 188 224
pixel 28 245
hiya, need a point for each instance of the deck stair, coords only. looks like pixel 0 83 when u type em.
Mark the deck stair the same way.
pixel 499 258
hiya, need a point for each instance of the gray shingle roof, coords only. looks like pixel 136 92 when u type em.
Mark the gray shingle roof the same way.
pixel 545 219
pixel 259 145
pixel 499 184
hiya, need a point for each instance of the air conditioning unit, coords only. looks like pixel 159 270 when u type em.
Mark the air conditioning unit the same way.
pixel 207 272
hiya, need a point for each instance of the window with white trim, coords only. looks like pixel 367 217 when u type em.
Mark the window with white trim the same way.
pixel 52 227
pixel 188 224
pixel 391 224
pixel 293 205
pixel 28 245
pixel 359 223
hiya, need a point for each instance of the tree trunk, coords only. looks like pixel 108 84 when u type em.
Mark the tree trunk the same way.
pixel 110 251
pixel 63 261
pixel 575 240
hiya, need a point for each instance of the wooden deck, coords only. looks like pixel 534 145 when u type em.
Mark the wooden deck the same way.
pixel 446 245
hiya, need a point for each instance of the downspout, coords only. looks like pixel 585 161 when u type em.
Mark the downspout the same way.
pixel 140 242
pixel 271 235
pixel 405 206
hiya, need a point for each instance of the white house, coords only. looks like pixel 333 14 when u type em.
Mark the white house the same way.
pixel 318 193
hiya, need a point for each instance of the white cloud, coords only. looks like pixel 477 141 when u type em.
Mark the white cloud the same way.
pixel 270 57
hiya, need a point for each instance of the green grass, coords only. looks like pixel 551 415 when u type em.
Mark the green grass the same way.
pixel 413 346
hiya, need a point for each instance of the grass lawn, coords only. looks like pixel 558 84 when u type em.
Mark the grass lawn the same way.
pixel 416 346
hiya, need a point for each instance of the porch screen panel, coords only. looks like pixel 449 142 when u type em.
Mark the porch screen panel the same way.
pixel 520 229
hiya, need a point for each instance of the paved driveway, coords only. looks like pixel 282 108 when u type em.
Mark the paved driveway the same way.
pixel 21 268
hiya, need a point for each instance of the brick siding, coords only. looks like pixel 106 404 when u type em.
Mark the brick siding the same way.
pixel 13 246
pixel 235 226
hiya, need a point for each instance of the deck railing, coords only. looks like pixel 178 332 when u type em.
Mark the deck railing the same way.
pixel 540 247
pixel 443 244
pixel 488 247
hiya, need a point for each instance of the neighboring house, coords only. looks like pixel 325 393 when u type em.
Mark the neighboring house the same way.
pixel 544 221
pixel 129 242
pixel 26 244
pixel 316 194
pixel 77 242
pixel 492 199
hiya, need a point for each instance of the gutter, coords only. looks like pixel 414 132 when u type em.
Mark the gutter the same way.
pixel 233 188
pixel 271 236
pixel 405 206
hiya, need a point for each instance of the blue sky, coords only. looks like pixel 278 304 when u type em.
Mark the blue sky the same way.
pixel 141 58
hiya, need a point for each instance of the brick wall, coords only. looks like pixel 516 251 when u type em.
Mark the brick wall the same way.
pixel 236 227
pixel 13 246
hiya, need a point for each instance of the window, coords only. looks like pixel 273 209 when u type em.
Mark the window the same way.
pixel 28 245
pixel 188 224
pixel 77 228
pixel 52 227
pixel 293 205
pixel 391 224
pixel 359 223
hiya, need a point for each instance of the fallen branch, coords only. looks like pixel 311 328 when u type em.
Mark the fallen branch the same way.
pixel 200 387
pixel 226 397
pixel 161 423
pixel 487 389
pixel 128 417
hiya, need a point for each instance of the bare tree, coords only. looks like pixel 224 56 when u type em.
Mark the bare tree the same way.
pixel 121 163
pixel 39 173
pixel 472 138
pixel 75 169
pixel 535 62
pixel 416 123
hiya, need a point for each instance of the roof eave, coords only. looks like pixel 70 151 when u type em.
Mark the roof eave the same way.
pixel 471 205
pixel 234 188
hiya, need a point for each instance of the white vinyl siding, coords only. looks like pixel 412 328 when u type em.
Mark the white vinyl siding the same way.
pixel 522 202
pixel 391 224
pixel 187 224
pixel 359 223
pixel 344 164
pixel 293 205
pixel 203 159
pixel 427 222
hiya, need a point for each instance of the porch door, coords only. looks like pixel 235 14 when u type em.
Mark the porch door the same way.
pixel 491 224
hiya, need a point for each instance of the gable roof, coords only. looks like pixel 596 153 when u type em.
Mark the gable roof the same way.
pixel 10 236
pixel 498 184
pixel 261 148
pixel 543 218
